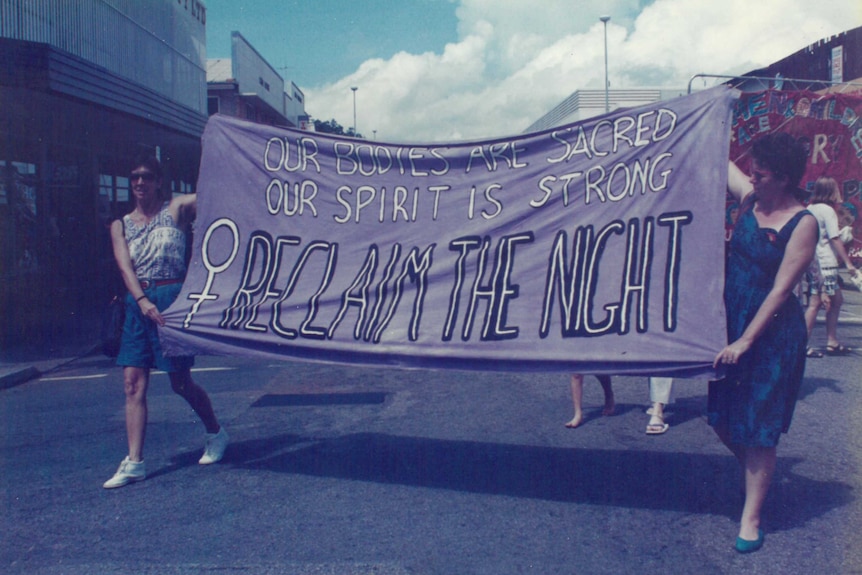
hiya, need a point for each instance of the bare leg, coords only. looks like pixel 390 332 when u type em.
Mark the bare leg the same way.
pixel 577 399
pixel 135 381
pixel 759 469
pixel 811 313
pixel 183 385
pixel 656 413
pixel 738 450
pixel 832 318
pixel 610 403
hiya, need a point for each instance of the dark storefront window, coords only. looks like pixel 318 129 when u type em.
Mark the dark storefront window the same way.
pixel 18 213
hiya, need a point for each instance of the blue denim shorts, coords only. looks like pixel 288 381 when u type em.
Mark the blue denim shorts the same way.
pixel 140 346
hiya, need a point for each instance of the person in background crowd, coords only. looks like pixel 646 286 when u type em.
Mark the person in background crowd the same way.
pixel 149 246
pixel 808 292
pixel 578 395
pixel 830 249
pixel 659 395
pixel 772 244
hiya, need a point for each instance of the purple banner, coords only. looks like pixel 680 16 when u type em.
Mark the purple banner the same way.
pixel 594 247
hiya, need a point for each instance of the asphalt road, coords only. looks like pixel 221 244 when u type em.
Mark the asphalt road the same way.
pixel 344 470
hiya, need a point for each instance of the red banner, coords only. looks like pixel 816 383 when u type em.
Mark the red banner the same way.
pixel 831 128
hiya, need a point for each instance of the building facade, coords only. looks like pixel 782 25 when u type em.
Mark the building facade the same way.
pixel 85 86
pixel 246 86
pixel 833 63
pixel 583 104
pixel 833 60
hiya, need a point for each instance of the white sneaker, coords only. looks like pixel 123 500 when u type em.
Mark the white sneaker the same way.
pixel 214 450
pixel 128 472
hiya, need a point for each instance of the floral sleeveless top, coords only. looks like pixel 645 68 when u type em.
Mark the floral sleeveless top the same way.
pixel 158 249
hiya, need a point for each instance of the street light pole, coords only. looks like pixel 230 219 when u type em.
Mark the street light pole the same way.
pixel 604 20
pixel 354 88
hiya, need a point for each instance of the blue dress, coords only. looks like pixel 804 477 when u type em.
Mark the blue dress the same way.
pixel 755 401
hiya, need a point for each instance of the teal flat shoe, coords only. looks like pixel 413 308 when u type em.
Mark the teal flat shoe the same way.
pixel 748 546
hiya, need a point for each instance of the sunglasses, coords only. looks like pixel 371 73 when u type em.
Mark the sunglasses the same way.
pixel 146 176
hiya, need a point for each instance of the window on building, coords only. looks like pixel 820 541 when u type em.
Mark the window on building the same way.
pixel 21 176
pixel 122 188
pixel 114 188
pixel 18 191
pixel 212 105
pixel 181 187
pixel 4 195
pixel 24 183
pixel 106 187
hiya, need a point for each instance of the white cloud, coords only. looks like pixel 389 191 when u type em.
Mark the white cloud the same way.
pixel 513 61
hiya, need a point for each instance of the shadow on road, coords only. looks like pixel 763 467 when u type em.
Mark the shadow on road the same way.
pixel 683 482
pixel 811 385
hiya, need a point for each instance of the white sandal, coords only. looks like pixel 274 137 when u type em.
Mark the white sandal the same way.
pixel 656 428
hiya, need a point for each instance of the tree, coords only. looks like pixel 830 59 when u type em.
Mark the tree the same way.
pixel 333 127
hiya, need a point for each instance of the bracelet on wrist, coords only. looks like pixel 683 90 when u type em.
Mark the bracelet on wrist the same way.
pixel 140 298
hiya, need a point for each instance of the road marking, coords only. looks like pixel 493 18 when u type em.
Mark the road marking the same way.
pixel 199 369
pixel 155 372
pixel 69 377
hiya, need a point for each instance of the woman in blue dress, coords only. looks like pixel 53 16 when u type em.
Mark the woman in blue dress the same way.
pixel 772 244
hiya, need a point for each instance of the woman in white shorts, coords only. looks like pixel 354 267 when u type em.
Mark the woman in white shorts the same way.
pixel 825 196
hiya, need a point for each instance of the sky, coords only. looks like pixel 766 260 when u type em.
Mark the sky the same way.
pixel 450 70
